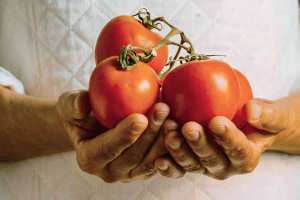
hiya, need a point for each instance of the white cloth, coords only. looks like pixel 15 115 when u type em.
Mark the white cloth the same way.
pixel 9 80
pixel 49 46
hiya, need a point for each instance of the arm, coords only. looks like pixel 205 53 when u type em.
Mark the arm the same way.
pixel 29 127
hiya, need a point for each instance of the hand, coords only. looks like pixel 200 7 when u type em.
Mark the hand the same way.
pixel 110 154
pixel 223 150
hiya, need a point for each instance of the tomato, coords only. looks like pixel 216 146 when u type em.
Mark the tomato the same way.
pixel 199 90
pixel 240 118
pixel 124 30
pixel 115 94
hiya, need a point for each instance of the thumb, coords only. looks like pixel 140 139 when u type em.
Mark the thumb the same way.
pixel 267 115
pixel 74 105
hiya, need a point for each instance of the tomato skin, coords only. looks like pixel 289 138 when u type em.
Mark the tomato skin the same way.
pixel 240 118
pixel 199 90
pixel 124 30
pixel 115 94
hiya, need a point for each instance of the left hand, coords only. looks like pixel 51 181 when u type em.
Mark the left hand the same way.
pixel 110 154
pixel 223 150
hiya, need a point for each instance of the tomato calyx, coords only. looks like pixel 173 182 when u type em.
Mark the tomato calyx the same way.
pixel 131 55
pixel 144 17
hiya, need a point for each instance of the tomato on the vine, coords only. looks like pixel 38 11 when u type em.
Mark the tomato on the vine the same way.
pixel 116 93
pixel 124 30
pixel 200 90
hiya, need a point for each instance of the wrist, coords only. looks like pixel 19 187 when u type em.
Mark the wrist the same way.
pixel 59 121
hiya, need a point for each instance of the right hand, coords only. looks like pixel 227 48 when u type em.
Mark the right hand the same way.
pixel 226 150
pixel 110 154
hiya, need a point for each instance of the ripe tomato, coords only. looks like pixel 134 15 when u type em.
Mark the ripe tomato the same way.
pixel 199 90
pixel 124 30
pixel 115 94
pixel 240 118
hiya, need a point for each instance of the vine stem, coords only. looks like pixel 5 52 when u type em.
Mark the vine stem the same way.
pixel 130 55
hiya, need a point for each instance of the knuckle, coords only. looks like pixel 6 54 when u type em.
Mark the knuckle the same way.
pixel 238 152
pixel 85 164
pixel 211 161
pixel 180 157
pixel 199 149
pixel 106 153
pixel 169 125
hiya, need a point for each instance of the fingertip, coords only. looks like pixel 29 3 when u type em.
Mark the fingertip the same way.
pixel 137 122
pixel 169 125
pixel 219 125
pixel 192 131
pixel 253 111
pixel 160 111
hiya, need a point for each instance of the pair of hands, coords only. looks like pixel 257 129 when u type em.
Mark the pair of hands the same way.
pixel 140 146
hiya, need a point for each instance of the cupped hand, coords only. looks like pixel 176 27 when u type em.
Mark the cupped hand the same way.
pixel 223 150
pixel 110 154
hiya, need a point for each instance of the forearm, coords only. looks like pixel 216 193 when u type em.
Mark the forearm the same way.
pixel 29 127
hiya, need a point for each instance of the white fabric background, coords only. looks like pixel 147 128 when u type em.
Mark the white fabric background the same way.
pixel 48 45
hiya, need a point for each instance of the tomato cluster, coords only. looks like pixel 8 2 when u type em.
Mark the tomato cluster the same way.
pixel 197 90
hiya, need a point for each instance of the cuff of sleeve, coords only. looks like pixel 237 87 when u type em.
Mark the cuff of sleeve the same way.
pixel 9 80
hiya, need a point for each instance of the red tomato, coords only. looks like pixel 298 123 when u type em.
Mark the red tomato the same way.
pixel 124 30
pixel 240 118
pixel 199 90
pixel 115 94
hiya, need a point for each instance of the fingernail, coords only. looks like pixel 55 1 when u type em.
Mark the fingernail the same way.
pixel 220 128
pixel 137 127
pixel 193 135
pixel 175 143
pixel 159 116
pixel 256 112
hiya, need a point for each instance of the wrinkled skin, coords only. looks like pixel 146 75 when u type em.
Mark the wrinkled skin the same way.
pixel 227 150
pixel 124 30
pixel 111 154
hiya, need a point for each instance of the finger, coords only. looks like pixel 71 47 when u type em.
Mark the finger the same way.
pixel 269 116
pixel 109 145
pixel 74 105
pixel 168 168
pixel 242 153
pixel 180 152
pixel 209 154
pixel 134 155
pixel 156 151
